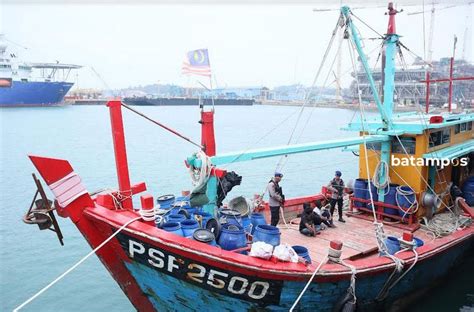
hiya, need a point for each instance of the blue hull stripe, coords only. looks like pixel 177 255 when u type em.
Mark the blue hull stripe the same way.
pixel 34 93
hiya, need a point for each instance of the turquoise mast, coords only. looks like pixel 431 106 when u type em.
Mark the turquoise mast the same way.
pixel 385 110
pixel 388 71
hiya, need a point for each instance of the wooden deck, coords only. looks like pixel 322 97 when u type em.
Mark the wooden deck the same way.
pixel 357 235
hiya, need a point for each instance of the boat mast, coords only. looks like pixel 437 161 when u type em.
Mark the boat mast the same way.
pixel 390 47
pixel 385 109
pixel 208 141
pixel 120 151
pixel 346 12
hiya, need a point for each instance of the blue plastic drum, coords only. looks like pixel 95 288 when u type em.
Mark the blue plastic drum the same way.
pixel 165 201
pixel 189 226
pixel 405 198
pixel 302 252
pixel 204 216
pixel 247 224
pixel 173 227
pixel 418 242
pixel 229 216
pixel 375 194
pixel 393 244
pixel 267 233
pixel 232 237
pixel 360 191
pixel 257 219
pixel 390 198
pixel 175 218
pixel 468 191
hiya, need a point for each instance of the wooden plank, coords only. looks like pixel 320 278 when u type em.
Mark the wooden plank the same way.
pixel 357 235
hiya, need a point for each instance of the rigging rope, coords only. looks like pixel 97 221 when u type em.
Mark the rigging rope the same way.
pixel 162 125
pixel 379 230
pixel 314 104
pixel 444 224
pixel 368 26
pixel 308 95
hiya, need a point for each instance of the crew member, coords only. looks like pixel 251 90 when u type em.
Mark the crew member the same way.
pixel 277 199
pixel 306 224
pixel 336 186
pixel 321 215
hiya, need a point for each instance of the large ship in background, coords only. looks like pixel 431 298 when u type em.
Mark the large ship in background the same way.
pixel 31 84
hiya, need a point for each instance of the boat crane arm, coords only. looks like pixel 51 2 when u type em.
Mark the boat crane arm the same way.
pixel 293 149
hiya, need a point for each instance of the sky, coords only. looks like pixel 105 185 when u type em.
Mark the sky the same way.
pixel 249 45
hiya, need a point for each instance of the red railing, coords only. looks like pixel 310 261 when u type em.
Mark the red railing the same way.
pixel 410 219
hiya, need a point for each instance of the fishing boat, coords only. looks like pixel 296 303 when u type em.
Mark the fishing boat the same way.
pixel 384 252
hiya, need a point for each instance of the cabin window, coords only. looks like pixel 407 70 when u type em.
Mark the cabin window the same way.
pixel 446 136
pixel 409 144
pixel 440 137
pixel 467 126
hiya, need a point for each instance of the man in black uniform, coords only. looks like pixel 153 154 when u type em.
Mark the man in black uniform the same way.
pixel 306 224
pixel 336 186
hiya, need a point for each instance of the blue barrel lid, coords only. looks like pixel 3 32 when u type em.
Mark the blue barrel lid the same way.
pixel 164 198
pixel 230 213
pixel 203 235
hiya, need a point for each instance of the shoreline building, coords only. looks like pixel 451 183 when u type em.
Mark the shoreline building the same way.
pixel 410 90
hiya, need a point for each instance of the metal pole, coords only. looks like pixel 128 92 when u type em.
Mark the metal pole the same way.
pixel 450 93
pixel 427 100
pixel 115 108
pixel 451 67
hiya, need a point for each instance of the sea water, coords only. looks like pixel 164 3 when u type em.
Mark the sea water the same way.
pixel 30 259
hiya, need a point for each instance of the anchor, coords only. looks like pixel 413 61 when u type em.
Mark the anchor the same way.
pixel 41 212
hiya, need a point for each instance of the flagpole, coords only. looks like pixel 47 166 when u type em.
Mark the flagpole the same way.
pixel 212 93
pixel 210 80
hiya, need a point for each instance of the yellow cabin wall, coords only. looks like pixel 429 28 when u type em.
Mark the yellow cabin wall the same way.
pixel 409 175
pixel 398 174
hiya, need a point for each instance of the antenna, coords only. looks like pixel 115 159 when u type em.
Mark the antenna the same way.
pixel 466 36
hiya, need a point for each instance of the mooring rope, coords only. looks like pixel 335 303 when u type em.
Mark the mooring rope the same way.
pixel 74 266
pixel 307 284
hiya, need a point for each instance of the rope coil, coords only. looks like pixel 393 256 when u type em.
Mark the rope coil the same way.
pixel 381 165
pixel 200 175
pixel 413 205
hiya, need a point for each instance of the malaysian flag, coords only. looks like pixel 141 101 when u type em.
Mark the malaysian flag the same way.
pixel 197 63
